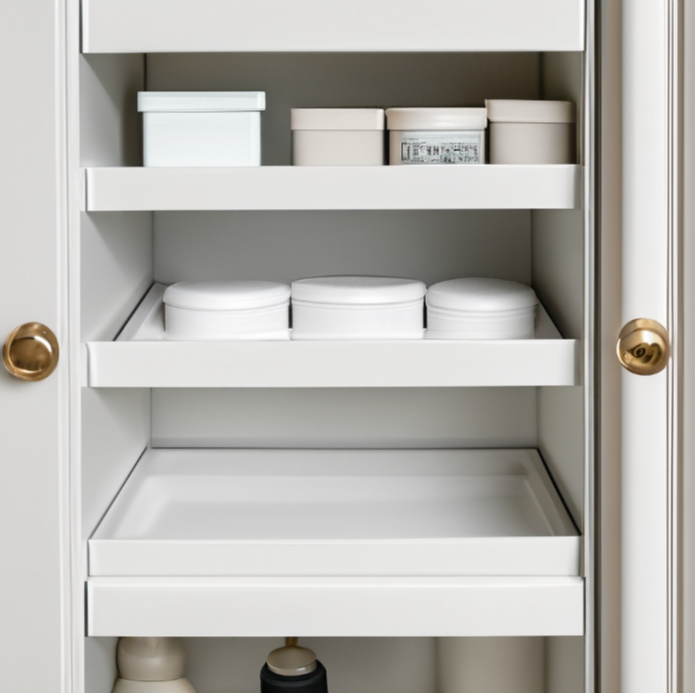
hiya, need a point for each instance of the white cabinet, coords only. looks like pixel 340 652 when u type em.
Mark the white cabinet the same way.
pixel 456 479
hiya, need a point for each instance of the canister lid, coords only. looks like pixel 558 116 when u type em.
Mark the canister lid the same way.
pixel 358 290
pixel 226 295
pixel 480 294
pixel 513 111
pixel 183 101
pixel 436 118
pixel 292 661
pixel 337 119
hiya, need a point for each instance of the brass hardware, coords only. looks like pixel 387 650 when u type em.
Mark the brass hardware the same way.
pixel 31 352
pixel 643 347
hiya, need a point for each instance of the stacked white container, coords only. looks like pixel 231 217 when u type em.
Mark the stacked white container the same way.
pixel 227 310
pixel 480 308
pixel 355 307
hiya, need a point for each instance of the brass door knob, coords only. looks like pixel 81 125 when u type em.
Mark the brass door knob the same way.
pixel 31 352
pixel 643 347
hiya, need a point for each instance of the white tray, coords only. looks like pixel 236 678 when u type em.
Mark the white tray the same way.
pixel 143 357
pixel 336 513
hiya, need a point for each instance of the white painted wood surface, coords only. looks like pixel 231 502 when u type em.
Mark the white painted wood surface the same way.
pixel 649 600
pixel 346 607
pixel 328 187
pixel 142 357
pixel 336 513
pixel 146 26
pixel 36 619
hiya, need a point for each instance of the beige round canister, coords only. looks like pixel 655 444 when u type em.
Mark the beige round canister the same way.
pixel 532 132
pixel 491 665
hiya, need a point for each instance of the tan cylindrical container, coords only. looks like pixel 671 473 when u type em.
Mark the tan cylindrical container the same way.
pixel 491 665
pixel 337 136
pixel 532 132
pixel 420 136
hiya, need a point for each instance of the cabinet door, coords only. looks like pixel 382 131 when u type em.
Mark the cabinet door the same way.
pixel 649 290
pixel 34 431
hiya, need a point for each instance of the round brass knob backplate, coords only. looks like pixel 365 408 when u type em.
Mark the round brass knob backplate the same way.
pixel 31 352
pixel 644 347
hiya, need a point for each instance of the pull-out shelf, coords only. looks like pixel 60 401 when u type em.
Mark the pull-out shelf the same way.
pixel 379 542
pixel 142 357
pixel 144 26
pixel 329 187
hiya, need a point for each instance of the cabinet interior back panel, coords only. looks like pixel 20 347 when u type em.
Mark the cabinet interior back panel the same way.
pixel 347 81
pixel 283 246
pixel 350 418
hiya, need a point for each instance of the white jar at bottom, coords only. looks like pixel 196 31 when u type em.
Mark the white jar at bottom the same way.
pixel 480 308
pixel 356 307
pixel 227 310
pixel 491 665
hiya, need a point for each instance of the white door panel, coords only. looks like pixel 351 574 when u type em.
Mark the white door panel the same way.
pixel 647 276
pixel 33 423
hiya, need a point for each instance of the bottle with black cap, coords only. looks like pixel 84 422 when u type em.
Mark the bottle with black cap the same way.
pixel 293 669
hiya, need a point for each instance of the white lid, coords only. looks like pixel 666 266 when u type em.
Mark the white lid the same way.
pixel 226 295
pixel 151 659
pixel 201 101
pixel 337 119
pixel 291 661
pixel 436 118
pixel 512 111
pixel 479 294
pixel 358 290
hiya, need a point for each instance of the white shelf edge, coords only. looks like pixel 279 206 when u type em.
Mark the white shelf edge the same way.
pixel 348 607
pixel 117 549
pixel 338 188
pixel 108 26
pixel 545 361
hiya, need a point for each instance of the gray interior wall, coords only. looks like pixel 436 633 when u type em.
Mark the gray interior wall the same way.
pixel 410 418
pixel 558 279
pixel 116 268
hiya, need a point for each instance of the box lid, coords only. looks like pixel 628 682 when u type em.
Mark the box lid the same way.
pixel 478 294
pixel 358 290
pixel 207 101
pixel 513 111
pixel 337 119
pixel 436 118
pixel 226 295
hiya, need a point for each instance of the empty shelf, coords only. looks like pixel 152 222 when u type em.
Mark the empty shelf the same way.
pixel 377 542
pixel 142 357
pixel 146 26
pixel 339 188
pixel 336 513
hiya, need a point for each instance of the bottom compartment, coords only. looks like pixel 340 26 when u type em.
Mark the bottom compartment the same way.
pixel 376 665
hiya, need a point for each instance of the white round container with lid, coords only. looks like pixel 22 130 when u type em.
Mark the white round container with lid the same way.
pixel 356 307
pixel 227 310
pixel 532 132
pixel 436 135
pixel 480 308
pixel 337 136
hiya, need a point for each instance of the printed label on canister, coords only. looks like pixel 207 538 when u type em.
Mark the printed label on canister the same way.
pixel 449 147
